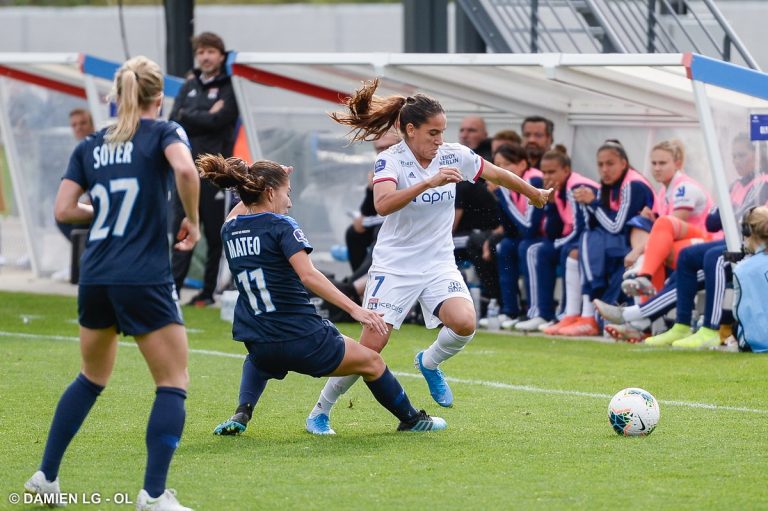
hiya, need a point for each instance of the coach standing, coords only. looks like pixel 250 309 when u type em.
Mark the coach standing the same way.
pixel 207 110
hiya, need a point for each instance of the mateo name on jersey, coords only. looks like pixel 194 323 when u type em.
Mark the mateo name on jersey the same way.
pixel 109 154
pixel 239 247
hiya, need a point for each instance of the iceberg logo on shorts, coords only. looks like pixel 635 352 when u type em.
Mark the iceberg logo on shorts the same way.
pixel 380 165
pixel 299 235
pixel 455 287
pixel 373 304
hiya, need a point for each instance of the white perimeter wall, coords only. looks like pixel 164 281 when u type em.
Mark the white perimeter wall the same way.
pixel 290 28
pixel 307 27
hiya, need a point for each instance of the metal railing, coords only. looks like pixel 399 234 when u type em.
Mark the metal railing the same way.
pixel 608 26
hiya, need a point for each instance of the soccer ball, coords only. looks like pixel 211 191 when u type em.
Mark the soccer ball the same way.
pixel 633 412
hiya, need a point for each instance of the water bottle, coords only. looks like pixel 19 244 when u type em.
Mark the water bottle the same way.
pixel 474 291
pixel 228 302
pixel 493 315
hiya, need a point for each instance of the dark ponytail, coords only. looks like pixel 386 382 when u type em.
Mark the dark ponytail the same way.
pixel 235 174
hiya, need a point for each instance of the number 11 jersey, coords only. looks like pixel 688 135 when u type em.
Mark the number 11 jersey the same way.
pixel 273 304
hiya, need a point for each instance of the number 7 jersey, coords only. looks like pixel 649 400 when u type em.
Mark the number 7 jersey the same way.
pixel 129 184
pixel 417 238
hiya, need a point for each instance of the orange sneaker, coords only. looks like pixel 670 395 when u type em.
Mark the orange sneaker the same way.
pixel 583 326
pixel 566 321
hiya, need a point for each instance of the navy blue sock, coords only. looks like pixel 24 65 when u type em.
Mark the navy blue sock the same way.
pixel 166 422
pixel 388 391
pixel 251 385
pixel 71 411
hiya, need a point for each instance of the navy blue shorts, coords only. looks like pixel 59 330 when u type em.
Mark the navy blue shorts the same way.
pixel 134 310
pixel 318 354
pixel 640 222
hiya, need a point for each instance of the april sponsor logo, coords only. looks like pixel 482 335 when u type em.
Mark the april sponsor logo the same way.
pixel 380 165
pixel 406 163
pixel 243 246
pixel 448 159
pixel 455 287
pixel 435 197
pixel 110 154
pixel 300 237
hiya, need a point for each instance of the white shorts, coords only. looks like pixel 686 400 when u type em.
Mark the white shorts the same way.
pixel 394 295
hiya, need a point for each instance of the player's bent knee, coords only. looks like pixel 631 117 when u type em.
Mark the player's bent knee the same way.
pixel 465 329
pixel 374 342
pixel 371 365
pixel 377 365
pixel 463 323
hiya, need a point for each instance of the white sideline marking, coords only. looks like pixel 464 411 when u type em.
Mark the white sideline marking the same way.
pixel 128 344
pixel 492 384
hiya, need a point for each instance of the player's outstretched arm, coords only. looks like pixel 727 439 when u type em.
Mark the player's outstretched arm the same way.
pixel 497 175
pixel 188 186
pixel 324 288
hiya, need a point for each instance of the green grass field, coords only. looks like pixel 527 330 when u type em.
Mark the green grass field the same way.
pixel 529 428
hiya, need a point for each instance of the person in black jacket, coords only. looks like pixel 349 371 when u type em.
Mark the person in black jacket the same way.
pixel 207 110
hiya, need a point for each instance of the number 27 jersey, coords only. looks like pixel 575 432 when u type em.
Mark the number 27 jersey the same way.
pixel 128 183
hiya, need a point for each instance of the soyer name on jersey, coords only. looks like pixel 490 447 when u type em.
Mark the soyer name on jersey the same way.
pixel 247 245
pixel 109 154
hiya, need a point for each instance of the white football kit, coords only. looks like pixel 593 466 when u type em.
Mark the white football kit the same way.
pixel 413 256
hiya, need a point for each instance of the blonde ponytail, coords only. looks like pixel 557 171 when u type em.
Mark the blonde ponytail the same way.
pixel 138 83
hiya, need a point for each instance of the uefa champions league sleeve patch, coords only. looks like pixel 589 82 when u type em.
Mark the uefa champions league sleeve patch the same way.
pixel 300 237
pixel 380 165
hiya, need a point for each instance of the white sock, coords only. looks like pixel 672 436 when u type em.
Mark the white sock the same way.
pixel 447 344
pixel 632 313
pixel 587 308
pixel 333 389
pixel 572 287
